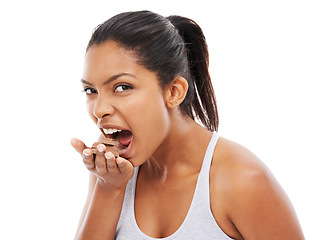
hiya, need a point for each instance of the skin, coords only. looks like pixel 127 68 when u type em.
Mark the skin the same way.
pixel 246 200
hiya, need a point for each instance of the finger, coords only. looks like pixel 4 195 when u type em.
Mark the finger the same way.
pixel 100 160
pixel 111 164
pixel 88 159
pixel 125 166
pixel 78 145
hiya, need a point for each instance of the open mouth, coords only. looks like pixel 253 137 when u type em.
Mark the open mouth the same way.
pixel 124 137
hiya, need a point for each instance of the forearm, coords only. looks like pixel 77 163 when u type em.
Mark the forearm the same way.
pixel 102 214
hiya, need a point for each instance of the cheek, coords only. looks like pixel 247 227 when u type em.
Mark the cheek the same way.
pixel 151 111
pixel 150 123
pixel 90 108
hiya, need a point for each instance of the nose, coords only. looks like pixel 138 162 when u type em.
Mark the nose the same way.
pixel 102 108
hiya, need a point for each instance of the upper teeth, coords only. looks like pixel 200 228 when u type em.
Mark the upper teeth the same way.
pixel 111 130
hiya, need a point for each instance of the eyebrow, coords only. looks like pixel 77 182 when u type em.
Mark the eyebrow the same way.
pixel 111 79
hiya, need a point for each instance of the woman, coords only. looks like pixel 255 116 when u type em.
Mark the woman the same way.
pixel 147 85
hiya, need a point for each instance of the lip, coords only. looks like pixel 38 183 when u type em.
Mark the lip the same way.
pixel 101 127
pixel 125 153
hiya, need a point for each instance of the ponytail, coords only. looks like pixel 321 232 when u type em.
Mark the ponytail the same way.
pixel 203 105
pixel 170 47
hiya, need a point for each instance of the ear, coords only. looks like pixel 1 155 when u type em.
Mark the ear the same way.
pixel 175 92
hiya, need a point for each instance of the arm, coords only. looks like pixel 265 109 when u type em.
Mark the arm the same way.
pixel 91 186
pixel 261 209
pixel 108 180
pixel 102 215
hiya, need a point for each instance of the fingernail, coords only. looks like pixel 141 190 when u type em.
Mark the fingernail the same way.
pixel 100 148
pixel 119 161
pixel 86 153
pixel 109 155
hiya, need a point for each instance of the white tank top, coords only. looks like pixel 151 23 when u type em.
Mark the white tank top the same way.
pixel 199 222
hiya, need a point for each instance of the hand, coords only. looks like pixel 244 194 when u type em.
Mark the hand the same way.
pixel 111 172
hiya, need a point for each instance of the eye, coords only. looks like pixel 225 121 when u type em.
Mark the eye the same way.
pixel 89 91
pixel 122 88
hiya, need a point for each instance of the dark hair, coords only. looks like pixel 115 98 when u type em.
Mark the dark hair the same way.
pixel 170 47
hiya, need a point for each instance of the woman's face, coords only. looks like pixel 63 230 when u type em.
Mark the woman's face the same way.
pixel 123 95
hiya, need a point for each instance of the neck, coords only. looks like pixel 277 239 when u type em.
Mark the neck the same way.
pixel 181 152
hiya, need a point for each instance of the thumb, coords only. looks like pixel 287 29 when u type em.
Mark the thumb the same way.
pixel 78 145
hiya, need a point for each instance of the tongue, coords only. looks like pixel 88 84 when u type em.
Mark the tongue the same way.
pixel 125 137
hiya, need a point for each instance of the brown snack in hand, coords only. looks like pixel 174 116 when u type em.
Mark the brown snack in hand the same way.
pixel 111 146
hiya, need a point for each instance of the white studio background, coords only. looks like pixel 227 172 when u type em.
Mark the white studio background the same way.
pixel 272 65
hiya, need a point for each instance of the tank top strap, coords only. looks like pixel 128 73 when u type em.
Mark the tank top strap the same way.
pixel 202 193
pixel 206 164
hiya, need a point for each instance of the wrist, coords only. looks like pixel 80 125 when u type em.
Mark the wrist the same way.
pixel 106 188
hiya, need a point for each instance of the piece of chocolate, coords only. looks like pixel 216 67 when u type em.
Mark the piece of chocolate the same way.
pixel 111 146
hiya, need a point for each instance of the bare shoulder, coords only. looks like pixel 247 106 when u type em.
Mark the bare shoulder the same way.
pixel 233 162
pixel 246 199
